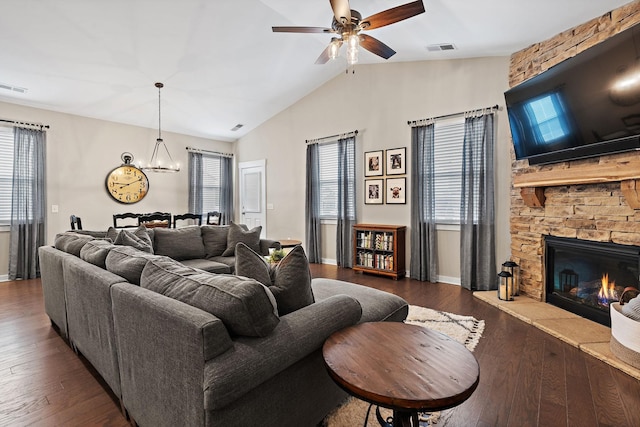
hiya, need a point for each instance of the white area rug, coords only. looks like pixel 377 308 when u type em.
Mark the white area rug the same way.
pixel 464 329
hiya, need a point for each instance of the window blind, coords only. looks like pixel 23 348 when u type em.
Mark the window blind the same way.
pixel 6 173
pixel 328 159
pixel 211 183
pixel 448 139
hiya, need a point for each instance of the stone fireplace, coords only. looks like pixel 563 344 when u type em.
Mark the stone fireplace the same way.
pixel 593 200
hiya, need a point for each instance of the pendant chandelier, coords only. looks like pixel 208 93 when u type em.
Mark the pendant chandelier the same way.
pixel 156 163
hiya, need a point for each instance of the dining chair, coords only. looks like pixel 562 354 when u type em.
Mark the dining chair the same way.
pixel 124 216
pixel 197 218
pixel 75 222
pixel 155 219
pixel 213 218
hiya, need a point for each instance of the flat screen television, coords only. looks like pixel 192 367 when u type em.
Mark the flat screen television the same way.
pixel 585 106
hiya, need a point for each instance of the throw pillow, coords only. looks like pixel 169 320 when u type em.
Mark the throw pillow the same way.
pixel 179 243
pixel 238 234
pixel 127 262
pixel 71 242
pixel 96 251
pixel 127 238
pixel 141 232
pixel 245 306
pixel 289 280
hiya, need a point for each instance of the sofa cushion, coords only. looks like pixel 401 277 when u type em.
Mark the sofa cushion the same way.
pixel 245 306
pixel 239 234
pixel 208 265
pixel 127 238
pixel 127 262
pixel 96 251
pixel 71 242
pixel 289 280
pixel 179 243
pixel 214 238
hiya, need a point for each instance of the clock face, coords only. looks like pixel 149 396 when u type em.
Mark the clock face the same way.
pixel 127 184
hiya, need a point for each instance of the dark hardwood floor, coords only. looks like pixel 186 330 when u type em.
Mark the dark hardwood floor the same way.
pixel 527 378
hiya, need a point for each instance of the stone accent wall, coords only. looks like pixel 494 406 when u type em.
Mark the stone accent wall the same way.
pixel 596 212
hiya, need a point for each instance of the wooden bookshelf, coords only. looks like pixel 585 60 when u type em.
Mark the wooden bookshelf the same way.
pixel 379 249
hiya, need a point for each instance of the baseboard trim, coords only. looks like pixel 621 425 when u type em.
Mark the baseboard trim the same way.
pixel 329 261
pixel 449 280
pixel 4 277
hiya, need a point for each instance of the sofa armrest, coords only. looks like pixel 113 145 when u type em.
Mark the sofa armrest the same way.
pixel 163 345
pixel 255 360
pixel 266 244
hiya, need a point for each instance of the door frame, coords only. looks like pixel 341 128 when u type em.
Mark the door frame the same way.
pixel 262 164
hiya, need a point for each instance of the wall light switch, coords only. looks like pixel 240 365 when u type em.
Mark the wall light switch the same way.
pixel 54 208
pixel 270 206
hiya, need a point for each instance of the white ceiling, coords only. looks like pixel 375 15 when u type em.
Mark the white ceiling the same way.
pixel 219 60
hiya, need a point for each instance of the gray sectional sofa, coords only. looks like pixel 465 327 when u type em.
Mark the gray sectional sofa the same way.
pixel 181 346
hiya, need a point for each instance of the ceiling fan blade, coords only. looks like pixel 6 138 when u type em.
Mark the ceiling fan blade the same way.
pixel 341 9
pixel 302 30
pixel 393 15
pixel 375 46
pixel 324 56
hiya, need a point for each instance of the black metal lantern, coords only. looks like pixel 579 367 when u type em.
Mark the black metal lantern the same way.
pixel 568 280
pixel 514 269
pixel 505 286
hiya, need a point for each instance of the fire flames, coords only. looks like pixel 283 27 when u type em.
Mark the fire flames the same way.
pixel 607 291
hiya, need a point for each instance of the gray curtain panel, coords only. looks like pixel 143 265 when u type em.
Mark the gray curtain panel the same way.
pixel 477 211
pixel 28 205
pixel 312 205
pixel 424 261
pixel 346 201
pixel 226 190
pixel 195 183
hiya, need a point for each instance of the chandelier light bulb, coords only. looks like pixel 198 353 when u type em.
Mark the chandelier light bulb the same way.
pixel 333 49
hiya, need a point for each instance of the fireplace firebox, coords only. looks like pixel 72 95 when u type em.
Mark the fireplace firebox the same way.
pixel 583 277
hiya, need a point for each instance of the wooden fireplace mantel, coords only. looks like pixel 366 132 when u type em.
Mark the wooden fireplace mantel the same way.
pixel 624 170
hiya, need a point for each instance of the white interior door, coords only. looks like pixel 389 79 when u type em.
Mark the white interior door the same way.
pixel 253 198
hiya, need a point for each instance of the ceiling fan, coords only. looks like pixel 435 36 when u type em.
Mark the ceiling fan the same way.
pixel 347 24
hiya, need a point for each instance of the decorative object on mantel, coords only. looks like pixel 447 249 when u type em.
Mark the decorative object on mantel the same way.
pixel 348 23
pixel 156 164
pixel 505 286
pixel 513 268
pixel 127 184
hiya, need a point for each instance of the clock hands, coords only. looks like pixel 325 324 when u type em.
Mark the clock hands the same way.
pixel 132 182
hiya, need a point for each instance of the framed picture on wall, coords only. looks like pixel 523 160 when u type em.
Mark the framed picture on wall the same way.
pixel 396 161
pixel 373 191
pixel 373 163
pixel 396 191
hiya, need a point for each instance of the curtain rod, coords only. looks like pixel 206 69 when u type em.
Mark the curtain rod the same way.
pixel 315 141
pixel 446 116
pixel 198 150
pixel 38 125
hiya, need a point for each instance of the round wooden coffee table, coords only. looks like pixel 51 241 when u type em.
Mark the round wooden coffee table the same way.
pixel 403 367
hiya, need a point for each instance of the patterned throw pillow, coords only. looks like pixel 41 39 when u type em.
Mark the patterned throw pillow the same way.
pixel 289 280
pixel 238 234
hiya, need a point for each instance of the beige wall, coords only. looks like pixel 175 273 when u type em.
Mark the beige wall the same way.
pixel 378 100
pixel 82 151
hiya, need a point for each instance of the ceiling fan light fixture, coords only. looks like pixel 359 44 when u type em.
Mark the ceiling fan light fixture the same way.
pixel 353 43
pixel 334 48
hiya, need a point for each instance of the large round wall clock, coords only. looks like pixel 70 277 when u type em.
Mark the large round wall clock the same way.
pixel 127 183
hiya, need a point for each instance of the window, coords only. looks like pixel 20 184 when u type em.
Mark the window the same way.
pixel 211 183
pixel 448 150
pixel 6 173
pixel 328 159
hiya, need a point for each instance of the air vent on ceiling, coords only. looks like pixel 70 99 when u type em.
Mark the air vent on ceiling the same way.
pixel 440 47
pixel 236 127
pixel 13 88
